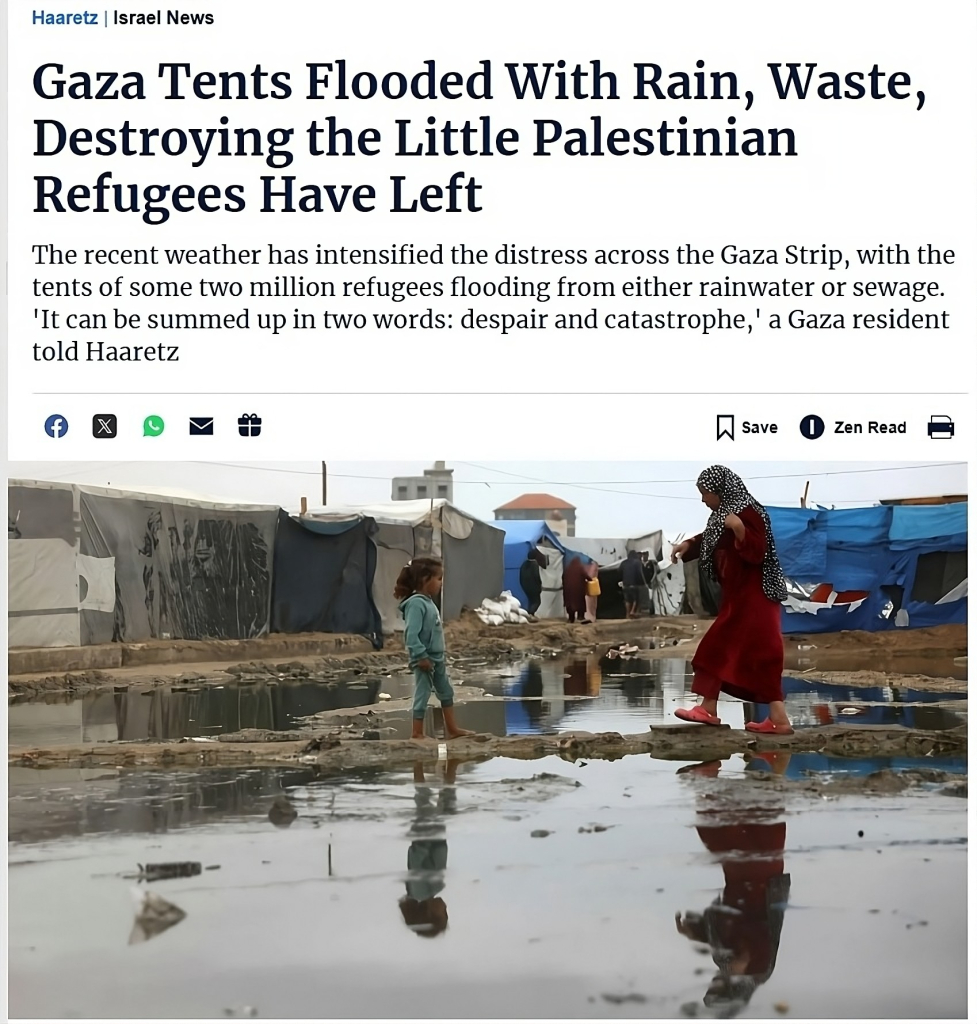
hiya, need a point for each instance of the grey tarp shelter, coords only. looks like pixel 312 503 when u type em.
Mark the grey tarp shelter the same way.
pixel 472 551
pixel 90 565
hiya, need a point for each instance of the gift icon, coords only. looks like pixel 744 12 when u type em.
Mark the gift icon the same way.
pixel 249 425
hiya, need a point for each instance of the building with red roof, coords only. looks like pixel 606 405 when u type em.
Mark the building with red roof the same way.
pixel 559 515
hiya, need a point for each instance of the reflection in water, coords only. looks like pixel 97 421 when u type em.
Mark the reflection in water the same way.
pixel 169 713
pixel 742 925
pixel 136 802
pixel 814 702
pixel 531 683
pixel 557 695
pixel 545 696
pixel 423 909
pixel 154 915
pixel 281 813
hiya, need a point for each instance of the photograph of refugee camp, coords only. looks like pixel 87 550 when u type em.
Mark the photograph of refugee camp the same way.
pixel 695 735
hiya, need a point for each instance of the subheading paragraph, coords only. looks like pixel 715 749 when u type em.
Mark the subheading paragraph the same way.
pixel 154 304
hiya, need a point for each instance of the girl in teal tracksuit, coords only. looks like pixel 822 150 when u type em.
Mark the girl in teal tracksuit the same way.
pixel 419 582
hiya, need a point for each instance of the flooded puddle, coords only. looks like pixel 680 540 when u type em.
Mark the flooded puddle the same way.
pixel 547 696
pixel 548 889
pixel 174 712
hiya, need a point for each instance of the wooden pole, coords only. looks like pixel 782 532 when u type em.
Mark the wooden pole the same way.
pixel 325 486
pixel 804 496
pixel 304 502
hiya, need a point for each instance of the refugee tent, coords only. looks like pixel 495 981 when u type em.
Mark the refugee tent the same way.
pixel 521 537
pixel 702 592
pixel 472 551
pixel 609 554
pixel 610 550
pixel 668 586
pixel 324 577
pixel 872 568
pixel 90 565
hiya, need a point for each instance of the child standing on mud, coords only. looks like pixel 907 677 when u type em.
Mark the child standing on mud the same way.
pixel 417 585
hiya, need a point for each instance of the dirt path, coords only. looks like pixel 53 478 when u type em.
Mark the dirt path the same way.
pixel 277 658
pixel 335 751
pixel 866 678
pixel 468 640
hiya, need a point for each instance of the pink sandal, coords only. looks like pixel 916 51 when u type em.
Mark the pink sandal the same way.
pixel 766 726
pixel 696 714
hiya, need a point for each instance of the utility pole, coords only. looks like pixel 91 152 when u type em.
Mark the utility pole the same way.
pixel 325 486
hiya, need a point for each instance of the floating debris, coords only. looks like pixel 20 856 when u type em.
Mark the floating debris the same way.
pixel 154 915
pixel 175 869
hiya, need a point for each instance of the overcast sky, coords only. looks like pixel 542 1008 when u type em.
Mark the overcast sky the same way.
pixel 613 499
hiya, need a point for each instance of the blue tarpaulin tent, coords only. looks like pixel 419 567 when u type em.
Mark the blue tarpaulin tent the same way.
pixel 873 568
pixel 521 537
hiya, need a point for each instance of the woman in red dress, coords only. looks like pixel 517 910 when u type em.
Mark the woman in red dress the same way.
pixel 742 654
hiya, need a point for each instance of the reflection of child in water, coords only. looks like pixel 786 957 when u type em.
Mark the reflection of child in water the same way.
pixel 423 910
pixel 743 925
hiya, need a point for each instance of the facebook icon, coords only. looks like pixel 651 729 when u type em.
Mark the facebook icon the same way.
pixel 55 426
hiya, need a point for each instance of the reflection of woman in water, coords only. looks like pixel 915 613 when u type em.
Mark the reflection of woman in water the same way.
pixel 423 910
pixel 742 926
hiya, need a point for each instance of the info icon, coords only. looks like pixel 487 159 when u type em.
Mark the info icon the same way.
pixel 812 427
pixel 249 425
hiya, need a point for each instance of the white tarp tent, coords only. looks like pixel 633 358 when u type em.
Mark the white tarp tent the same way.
pixel 611 550
pixel 668 589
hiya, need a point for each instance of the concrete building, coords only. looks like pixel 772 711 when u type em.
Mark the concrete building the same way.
pixel 435 483
pixel 559 516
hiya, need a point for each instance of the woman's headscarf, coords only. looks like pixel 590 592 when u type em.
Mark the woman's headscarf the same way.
pixel 734 497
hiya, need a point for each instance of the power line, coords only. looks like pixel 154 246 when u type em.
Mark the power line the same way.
pixel 685 480
pixel 580 483
pixel 606 490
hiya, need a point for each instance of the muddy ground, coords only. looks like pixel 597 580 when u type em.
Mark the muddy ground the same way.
pixel 355 741
pixel 931 656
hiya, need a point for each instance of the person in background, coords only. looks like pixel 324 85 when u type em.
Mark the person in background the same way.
pixel 742 653
pixel 417 585
pixel 531 581
pixel 649 568
pixel 592 590
pixel 633 578
pixel 575 590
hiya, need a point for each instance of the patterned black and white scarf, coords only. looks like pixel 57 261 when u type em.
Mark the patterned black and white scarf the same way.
pixel 734 498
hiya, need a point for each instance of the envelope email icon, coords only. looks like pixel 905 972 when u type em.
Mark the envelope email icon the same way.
pixel 201 425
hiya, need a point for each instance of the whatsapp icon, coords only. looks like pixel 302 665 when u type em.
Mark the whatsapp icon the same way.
pixel 152 426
